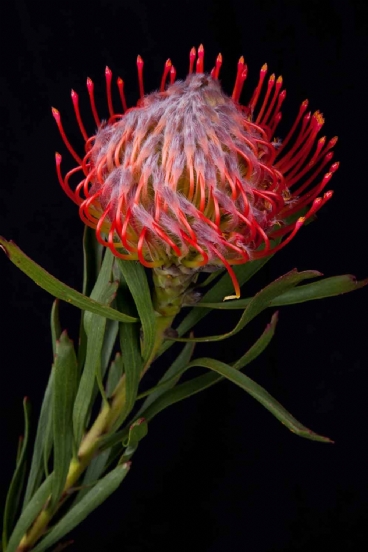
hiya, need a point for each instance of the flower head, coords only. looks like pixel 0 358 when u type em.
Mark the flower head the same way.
pixel 193 178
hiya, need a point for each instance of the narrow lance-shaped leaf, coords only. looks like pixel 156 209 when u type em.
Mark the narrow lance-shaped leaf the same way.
pixel 65 389
pixel 328 287
pixel 260 302
pixel 57 288
pixel 180 392
pixel 16 484
pixel 92 474
pixel 136 280
pixel 129 335
pixel 29 514
pixel 92 259
pixel 169 379
pixel 116 371
pixel 98 494
pixel 257 348
pixel 256 391
pixel 95 329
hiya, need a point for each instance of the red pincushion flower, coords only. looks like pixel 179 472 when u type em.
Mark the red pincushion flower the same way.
pixel 191 177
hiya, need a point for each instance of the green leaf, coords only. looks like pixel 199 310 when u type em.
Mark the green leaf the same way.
pixel 260 302
pixel 256 391
pixel 136 280
pixel 220 290
pixel 111 334
pixel 43 443
pixel 259 346
pixel 328 287
pixel 129 335
pixel 29 514
pixel 261 395
pixel 65 389
pixel 57 288
pixel 137 431
pixel 166 397
pixel 169 379
pixel 98 494
pixel 55 324
pixel 16 484
pixel 92 259
pixel 95 327
pixel 93 473
pixel 116 371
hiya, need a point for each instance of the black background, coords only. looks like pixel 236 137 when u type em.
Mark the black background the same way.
pixel 216 472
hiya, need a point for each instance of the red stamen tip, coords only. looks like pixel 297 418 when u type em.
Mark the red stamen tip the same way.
pixel 74 96
pixel 219 58
pixel 58 158
pixel 328 195
pixel 271 80
pixel 334 167
pixel 264 68
pixel 279 80
pixel 201 50
pixel 108 72
pixel 329 156
pixel 168 63
pixel 172 74
pixel 299 222
pixel 241 61
pixel 56 114
pixel 140 62
pixel 90 84
pixel 333 141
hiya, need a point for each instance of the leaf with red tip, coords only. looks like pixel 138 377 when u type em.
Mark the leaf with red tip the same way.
pixel 328 287
pixel 232 374
pixel 56 288
pixel 260 302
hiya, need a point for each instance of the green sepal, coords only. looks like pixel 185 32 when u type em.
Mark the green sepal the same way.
pixel 51 284
pixel 98 494
pixel 259 302
pixel 16 484
pixel 328 287
pixel 64 393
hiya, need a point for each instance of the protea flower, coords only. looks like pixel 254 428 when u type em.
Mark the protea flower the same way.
pixel 190 179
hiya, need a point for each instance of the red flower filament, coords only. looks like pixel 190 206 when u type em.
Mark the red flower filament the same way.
pixel 193 178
